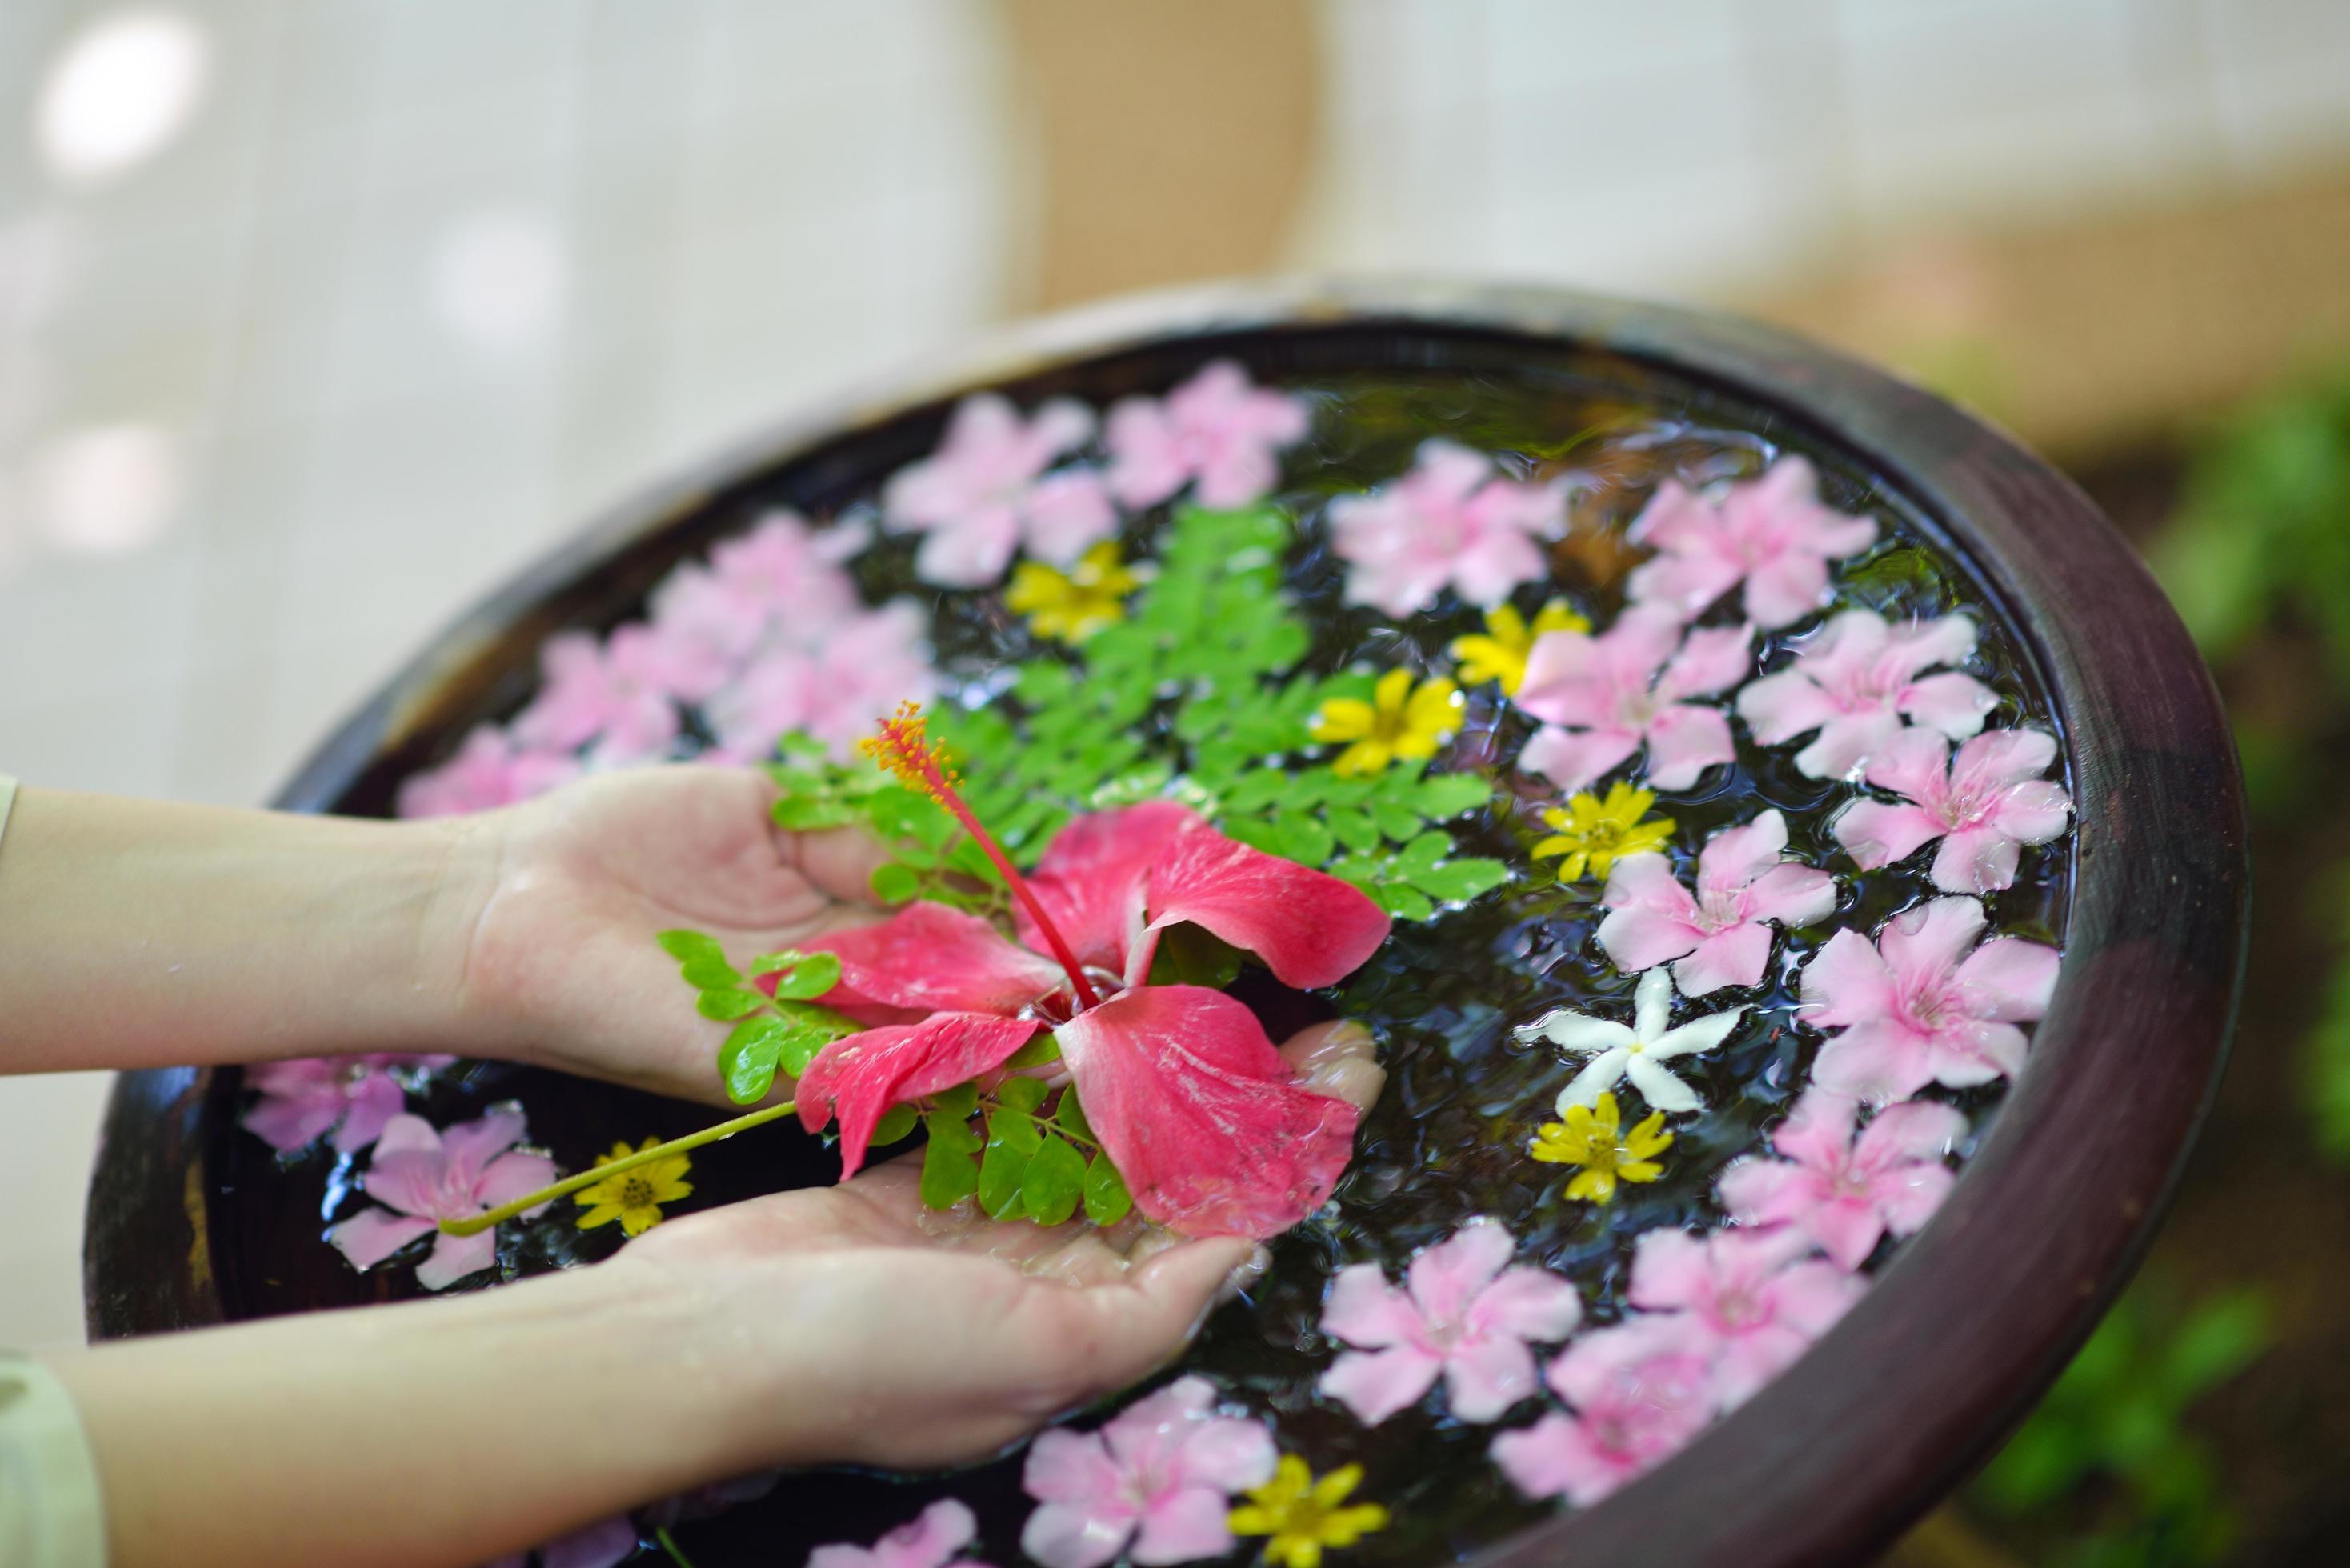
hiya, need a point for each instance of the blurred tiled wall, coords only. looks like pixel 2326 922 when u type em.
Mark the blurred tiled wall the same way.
pixel 413 285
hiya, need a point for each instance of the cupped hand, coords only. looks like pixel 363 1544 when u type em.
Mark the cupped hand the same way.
pixel 914 1338
pixel 561 968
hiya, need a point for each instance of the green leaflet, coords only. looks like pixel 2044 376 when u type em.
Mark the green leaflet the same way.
pixel 1054 1182
pixel 1106 1198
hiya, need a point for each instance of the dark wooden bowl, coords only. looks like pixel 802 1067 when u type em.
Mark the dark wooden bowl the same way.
pixel 1967 1325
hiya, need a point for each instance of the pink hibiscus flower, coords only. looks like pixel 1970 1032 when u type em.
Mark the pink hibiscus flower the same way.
pixel 1603 697
pixel 623 694
pixel 1924 1004
pixel 935 1538
pixel 1844 1193
pixel 984 492
pixel 489 770
pixel 1640 1392
pixel 1747 1305
pixel 1161 1476
pixel 1984 805
pixel 421 1176
pixel 835 692
pixel 597 1545
pixel 1857 680
pixel 356 1095
pixel 1200 1113
pixel 1215 429
pixel 1773 533
pixel 1453 521
pixel 1721 934
pixel 1462 1314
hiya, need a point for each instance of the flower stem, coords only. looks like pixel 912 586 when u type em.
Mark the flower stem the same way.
pixel 669 1545
pixel 474 1224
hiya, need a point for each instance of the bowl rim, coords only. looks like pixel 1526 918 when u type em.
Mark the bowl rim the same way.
pixel 1974 1317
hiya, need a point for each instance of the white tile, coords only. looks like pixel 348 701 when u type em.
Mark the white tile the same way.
pixel 48 1135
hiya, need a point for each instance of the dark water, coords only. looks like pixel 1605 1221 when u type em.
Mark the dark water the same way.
pixel 1448 1140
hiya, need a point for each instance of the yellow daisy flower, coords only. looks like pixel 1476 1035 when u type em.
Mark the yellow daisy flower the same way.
pixel 1303 1516
pixel 1500 650
pixel 634 1197
pixel 1593 1138
pixel 1595 834
pixel 1400 723
pixel 1070 606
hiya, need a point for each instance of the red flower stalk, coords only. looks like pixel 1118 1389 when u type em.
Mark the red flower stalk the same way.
pixel 1200 1114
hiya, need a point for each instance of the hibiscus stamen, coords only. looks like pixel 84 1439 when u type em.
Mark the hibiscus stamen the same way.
pixel 903 748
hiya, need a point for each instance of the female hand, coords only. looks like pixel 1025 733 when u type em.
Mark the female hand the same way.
pixel 568 890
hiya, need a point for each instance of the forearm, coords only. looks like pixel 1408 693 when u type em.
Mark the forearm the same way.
pixel 137 933
pixel 434 1433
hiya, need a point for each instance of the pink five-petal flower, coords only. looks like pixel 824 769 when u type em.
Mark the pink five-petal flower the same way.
pixel 864 668
pixel 1984 805
pixel 793 573
pixel 1202 1116
pixel 1746 1302
pixel 1924 1004
pixel 1843 1192
pixel 489 770
pixel 1451 520
pixel 597 1545
pixel 1640 1392
pixel 1215 429
pixel 1462 1314
pixel 421 1176
pixel 623 694
pixel 1772 532
pixel 1160 1475
pixel 1601 698
pixel 931 1540
pixel 984 492
pixel 1745 884
pixel 302 1098
pixel 1857 680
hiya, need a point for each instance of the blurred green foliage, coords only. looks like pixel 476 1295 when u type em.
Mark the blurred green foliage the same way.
pixel 2111 1439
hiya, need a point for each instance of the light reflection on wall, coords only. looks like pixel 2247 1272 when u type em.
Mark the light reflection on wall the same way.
pixel 105 490
pixel 120 92
pixel 499 279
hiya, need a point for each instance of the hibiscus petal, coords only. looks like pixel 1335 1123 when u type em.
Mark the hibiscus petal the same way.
pixel 1186 1525
pixel 1574 758
pixel 857 1078
pixel 1846 1230
pixel 1069 1467
pixel 1669 1270
pixel 1556 1458
pixel 1066 514
pixel 370 1236
pixel 1310 929
pixel 1375 1383
pixel 408 1180
pixel 1684 742
pixel 1090 880
pixel 1202 1114
pixel 2002 757
pixel 1811 1297
pixel 1908 1197
pixel 1758 1191
pixel 2034 811
pixel 1818 1133
pixel 1793 895
pixel 933 958
pixel 1846 742
pixel 1921 945
pixel 1915 764
pixel 1753 1358
pixel 972 551
pixel 1910 1131
pixel 511 1176
pixel 374 1101
pixel 287 1123
pixel 468 1147
pixel 1785 591
pixel 1226 1453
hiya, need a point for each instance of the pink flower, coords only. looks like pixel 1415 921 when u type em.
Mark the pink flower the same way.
pixel 302 1098
pixel 621 694
pixel 1462 1314
pixel 792 571
pixel 1215 429
pixel 1601 698
pixel 984 492
pixel 1202 1116
pixel 1451 521
pixel 1744 1302
pixel 1771 533
pixel 421 1176
pixel 1857 680
pixel 1640 1392
pixel 1842 1192
pixel 1983 804
pixel 1924 1005
pixel 1161 1476
pixel 835 693
pixel 597 1545
pixel 489 770
pixel 933 1540
pixel 1745 885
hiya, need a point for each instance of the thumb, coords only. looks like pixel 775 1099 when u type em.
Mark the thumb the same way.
pixel 1340 1059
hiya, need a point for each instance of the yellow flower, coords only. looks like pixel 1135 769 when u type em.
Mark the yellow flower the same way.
pixel 1593 1138
pixel 1072 605
pixel 1397 723
pixel 1595 834
pixel 634 1197
pixel 1302 1515
pixel 1500 651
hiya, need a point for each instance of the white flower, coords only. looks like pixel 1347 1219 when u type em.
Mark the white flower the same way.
pixel 1637 1051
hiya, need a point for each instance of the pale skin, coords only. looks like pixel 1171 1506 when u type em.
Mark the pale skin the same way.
pixel 824 1325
